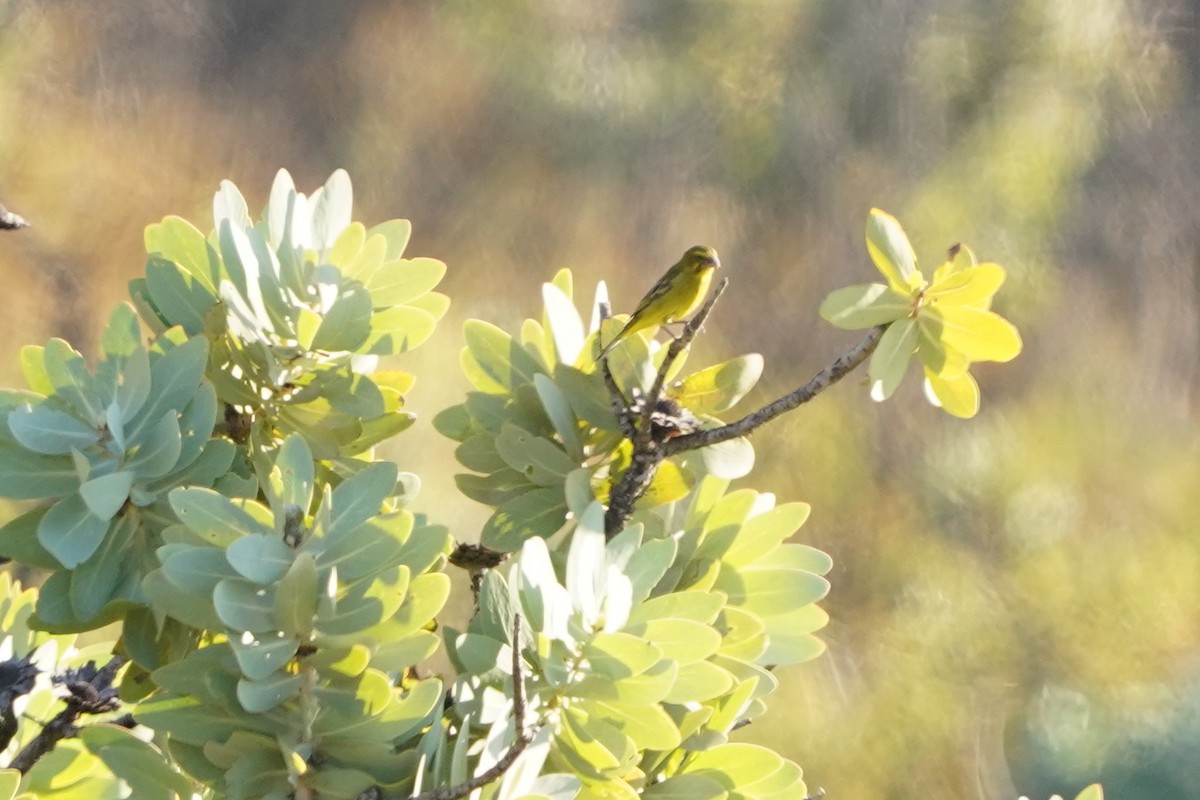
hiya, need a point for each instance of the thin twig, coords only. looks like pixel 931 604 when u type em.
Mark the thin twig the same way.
pixel 839 369
pixel 523 737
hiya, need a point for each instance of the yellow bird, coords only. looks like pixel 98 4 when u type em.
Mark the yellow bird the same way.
pixel 675 296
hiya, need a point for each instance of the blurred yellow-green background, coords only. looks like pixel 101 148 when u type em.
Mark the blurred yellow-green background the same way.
pixel 1016 599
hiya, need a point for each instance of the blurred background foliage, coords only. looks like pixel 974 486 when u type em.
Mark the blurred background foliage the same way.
pixel 1016 601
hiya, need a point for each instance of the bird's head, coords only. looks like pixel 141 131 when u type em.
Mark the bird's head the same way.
pixel 701 258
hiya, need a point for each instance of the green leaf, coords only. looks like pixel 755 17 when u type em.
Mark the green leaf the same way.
pixel 650 727
pixel 178 296
pixel 292 477
pixel 349 245
pixel 622 655
pixel 97 581
pixel 1093 792
pixel 686 787
pixel 70 532
pixel 767 590
pixel 365 605
pixel 787 647
pixel 404 280
pixel 347 323
pixel 358 499
pixel 399 330
pixel 729 460
pixel 397 233
pixel 539 512
pixel 175 375
pixel 764 532
pixel 364 549
pixel 258 657
pixel 72 382
pixel 493 361
pixel 647 566
pixel 864 306
pixel 262 558
pixel 681 640
pixel 49 431
pixel 559 412
pixel 540 460
pixel 140 764
pixel 296 597
pixel 19 542
pixel 33 367
pixel 244 606
pixel 699 681
pixel 891 358
pixel 133 386
pixel 263 695
pixel 892 253
pixel 10 781
pixel 158 451
pixel 177 240
pixel 478 453
pixel 693 605
pixel 169 600
pixel 196 570
pixel 215 518
pixel 495 489
pixel 720 387
pixel 30 476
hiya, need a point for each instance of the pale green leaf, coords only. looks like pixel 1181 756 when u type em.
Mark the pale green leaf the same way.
pixel 49 431
pixel 864 306
pixel 892 253
pixel 398 330
pixel 730 459
pixel 404 280
pixel 539 512
pixel 262 558
pixel 244 605
pixel 70 532
pixel 890 360
pixel 263 695
pixel 347 323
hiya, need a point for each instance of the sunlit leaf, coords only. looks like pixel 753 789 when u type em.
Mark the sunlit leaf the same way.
pixel 892 253
pixel 979 334
pixel 958 397
pixel 891 358
pixel 720 387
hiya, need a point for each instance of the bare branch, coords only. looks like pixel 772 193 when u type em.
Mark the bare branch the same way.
pixel 509 758
pixel 843 366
